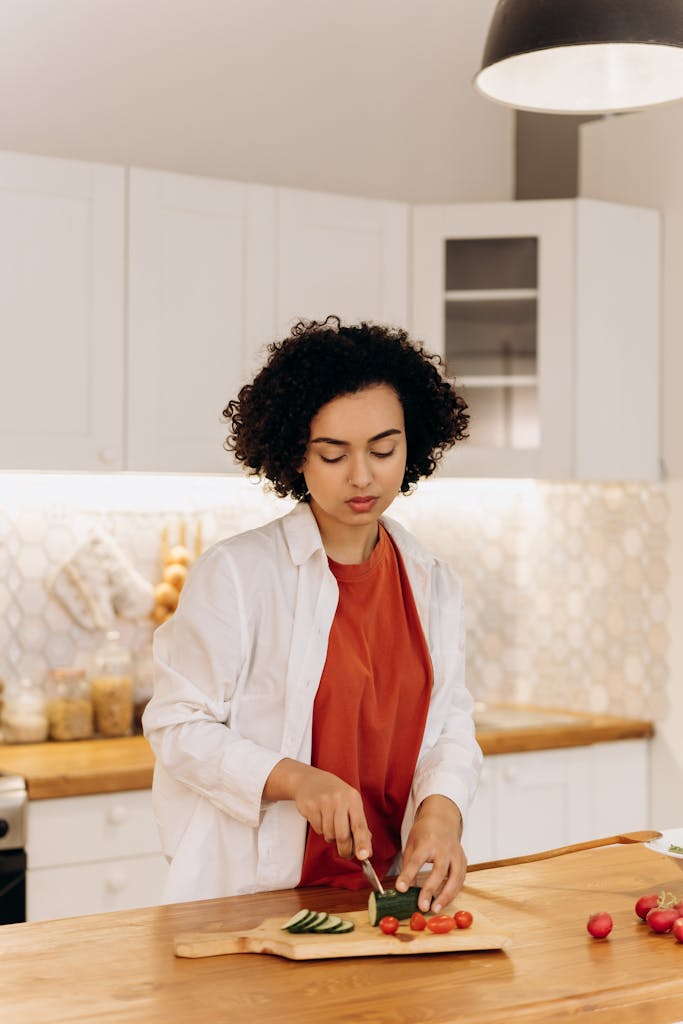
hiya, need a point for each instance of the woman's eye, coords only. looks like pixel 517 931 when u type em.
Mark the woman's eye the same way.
pixel 338 459
pixel 383 455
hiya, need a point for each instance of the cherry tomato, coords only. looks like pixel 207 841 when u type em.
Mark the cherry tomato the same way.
pixel 677 929
pixel 389 925
pixel 661 919
pixel 441 924
pixel 646 903
pixel 463 918
pixel 418 922
pixel 600 925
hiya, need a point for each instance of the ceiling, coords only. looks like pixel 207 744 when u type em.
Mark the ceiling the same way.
pixel 360 96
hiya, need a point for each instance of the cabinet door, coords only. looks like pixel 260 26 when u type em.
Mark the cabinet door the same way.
pixel 201 291
pixel 343 256
pixel 543 800
pixel 620 787
pixel 493 293
pixel 95 888
pixel 61 314
pixel 547 315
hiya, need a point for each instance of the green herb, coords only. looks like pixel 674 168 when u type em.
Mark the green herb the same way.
pixel 675 849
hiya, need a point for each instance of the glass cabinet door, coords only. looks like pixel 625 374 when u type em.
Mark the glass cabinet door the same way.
pixel 490 343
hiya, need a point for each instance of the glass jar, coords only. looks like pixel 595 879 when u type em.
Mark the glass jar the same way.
pixel 24 717
pixel 112 687
pixel 143 686
pixel 69 705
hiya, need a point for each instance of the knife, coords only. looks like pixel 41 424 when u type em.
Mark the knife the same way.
pixel 371 876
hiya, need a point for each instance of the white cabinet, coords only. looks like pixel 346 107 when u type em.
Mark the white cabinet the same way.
pixel 547 315
pixel 200 307
pixel 118 358
pixel 343 256
pixel 61 313
pixel 549 798
pixel 92 854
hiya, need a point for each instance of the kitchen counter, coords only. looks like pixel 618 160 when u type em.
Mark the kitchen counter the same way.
pixel 114 765
pixel 120 967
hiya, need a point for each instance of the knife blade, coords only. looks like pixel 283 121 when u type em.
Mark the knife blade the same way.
pixel 371 876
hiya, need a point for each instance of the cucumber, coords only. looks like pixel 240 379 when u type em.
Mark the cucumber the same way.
pixel 393 904
pixel 344 927
pixel 300 916
pixel 304 924
pixel 317 921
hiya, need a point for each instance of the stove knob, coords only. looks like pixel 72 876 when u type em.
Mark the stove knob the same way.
pixel 4 827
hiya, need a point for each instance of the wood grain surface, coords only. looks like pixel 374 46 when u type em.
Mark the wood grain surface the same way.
pixel 120 968
pixel 364 940
pixel 80 767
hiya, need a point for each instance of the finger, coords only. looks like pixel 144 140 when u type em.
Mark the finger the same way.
pixel 342 832
pixel 435 880
pixel 451 887
pixel 361 835
pixel 413 861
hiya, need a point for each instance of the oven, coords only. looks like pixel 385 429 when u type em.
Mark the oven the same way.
pixel 13 814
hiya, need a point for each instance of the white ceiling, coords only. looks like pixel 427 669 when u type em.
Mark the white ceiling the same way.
pixel 361 96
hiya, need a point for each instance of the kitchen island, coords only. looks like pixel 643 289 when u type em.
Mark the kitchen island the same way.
pixel 120 967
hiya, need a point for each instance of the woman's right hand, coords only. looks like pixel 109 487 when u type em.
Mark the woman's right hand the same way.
pixel 332 807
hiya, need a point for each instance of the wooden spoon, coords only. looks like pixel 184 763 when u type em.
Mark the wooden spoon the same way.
pixel 627 837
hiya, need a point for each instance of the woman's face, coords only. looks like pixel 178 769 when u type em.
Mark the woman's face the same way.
pixel 356 456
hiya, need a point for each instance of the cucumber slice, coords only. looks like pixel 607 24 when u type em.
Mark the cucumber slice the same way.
pixel 393 904
pixel 302 925
pixel 328 925
pixel 300 916
pixel 344 927
pixel 312 925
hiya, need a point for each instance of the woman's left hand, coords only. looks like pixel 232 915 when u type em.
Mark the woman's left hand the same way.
pixel 435 838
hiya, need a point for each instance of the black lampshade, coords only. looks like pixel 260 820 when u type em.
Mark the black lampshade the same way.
pixel 583 56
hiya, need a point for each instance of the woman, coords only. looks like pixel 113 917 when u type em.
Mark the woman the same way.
pixel 310 708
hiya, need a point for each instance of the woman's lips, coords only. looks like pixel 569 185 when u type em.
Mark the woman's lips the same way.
pixel 361 504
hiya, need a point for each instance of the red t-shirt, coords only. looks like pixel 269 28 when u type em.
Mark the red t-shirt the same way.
pixel 371 707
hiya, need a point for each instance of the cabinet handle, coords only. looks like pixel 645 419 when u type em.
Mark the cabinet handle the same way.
pixel 106 456
pixel 117 814
pixel 116 881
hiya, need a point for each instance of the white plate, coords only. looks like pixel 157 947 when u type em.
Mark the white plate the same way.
pixel 669 836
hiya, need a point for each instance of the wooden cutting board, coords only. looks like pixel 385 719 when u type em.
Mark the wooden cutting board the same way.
pixel 364 940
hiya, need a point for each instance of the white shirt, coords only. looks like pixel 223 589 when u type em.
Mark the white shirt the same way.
pixel 236 672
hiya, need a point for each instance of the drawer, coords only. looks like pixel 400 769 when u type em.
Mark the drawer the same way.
pixel 95 888
pixel 80 829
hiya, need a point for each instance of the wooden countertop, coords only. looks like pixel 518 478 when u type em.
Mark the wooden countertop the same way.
pixel 119 968
pixel 81 767
pixel 114 765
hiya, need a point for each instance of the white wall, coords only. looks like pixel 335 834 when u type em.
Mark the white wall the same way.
pixel 638 158
pixel 365 97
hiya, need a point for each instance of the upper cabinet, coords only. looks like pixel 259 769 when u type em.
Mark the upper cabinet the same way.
pixel 200 304
pixel 341 255
pixel 547 316
pixel 62 302
pixel 134 304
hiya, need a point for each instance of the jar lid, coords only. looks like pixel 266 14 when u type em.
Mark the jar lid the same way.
pixel 68 674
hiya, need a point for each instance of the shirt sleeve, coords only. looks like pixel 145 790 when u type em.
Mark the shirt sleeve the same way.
pixel 450 760
pixel 200 656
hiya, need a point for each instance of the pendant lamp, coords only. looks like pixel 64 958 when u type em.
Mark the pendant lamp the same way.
pixel 583 56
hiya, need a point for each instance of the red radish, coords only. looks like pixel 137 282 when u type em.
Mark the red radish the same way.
pixel 661 919
pixel 677 929
pixel 646 903
pixel 600 925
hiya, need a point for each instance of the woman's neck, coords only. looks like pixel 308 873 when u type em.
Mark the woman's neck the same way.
pixel 349 545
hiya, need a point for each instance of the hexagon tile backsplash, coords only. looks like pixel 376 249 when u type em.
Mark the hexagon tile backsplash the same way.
pixel 565 584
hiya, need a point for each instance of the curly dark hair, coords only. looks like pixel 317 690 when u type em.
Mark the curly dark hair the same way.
pixel 321 360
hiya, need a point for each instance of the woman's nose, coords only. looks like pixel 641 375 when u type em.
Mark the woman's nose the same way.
pixel 360 474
